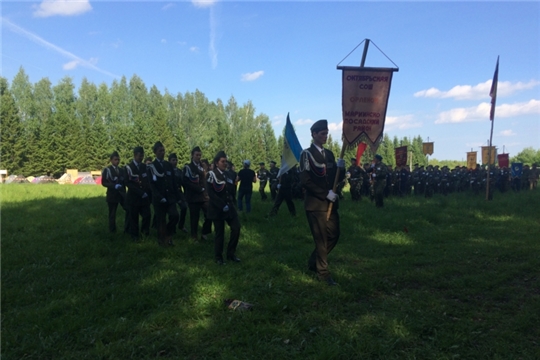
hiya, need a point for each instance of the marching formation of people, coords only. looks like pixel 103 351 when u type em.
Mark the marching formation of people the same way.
pixel 378 181
pixel 220 193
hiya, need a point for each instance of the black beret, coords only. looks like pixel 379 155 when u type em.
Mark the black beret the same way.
pixel 353 159
pixel 273 162
pixel 138 150
pixel 220 154
pixel 379 157
pixel 173 156
pixel 157 145
pixel 261 163
pixel 319 125
pixel 196 149
pixel 114 154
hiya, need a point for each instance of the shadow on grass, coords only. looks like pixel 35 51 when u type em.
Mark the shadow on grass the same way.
pixel 426 278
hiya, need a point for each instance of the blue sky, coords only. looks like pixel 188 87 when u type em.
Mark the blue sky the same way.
pixel 282 56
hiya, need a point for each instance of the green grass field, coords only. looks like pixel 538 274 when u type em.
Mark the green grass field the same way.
pixel 444 278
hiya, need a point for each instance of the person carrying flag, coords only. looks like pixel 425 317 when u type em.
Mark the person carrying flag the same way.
pixel 317 173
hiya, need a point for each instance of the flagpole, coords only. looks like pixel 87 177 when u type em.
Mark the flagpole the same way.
pixel 493 94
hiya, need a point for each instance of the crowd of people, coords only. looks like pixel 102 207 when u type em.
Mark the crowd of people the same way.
pixel 217 192
pixel 430 180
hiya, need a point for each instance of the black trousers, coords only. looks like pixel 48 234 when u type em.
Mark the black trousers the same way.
pixel 284 195
pixel 113 206
pixel 183 213
pixel 219 239
pixel 262 185
pixel 325 235
pixel 273 189
pixel 144 212
pixel 194 213
pixel 161 212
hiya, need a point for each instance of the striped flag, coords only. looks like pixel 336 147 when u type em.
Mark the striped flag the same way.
pixel 493 91
pixel 291 149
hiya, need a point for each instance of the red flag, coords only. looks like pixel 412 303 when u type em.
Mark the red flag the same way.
pixel 493 91
pixel 503 160
pixel 361 148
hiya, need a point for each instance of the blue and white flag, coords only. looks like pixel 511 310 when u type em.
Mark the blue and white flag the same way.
pixel 517 169
pixel 291 149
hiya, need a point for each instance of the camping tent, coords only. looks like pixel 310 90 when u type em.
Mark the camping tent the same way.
pixel 85 180
pixel 10 178
pixel 65 179
pixel 19 179
pixel 44 180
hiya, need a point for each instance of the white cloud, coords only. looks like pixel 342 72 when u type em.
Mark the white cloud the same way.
pixel 333 127
pixel 401 122
pixel 509 132
pixel 203 3
pixel 481 112
pixel 62 8
pixel 479 91
pixel 252 76
pixel 303 122
pixel 75 60
pixel 71 65
pixel 167 6
pixel 194 49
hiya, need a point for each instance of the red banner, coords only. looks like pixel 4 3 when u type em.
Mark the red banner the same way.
pixel 503 160
pixel 364 101
pixel 360 152
pixel 401 156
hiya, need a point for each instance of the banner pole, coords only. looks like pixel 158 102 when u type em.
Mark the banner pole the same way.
pixel 344 146
pixel 334 188
pixel 364 55
pixel 489 160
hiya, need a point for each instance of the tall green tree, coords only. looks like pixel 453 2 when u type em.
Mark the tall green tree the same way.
pixel 120 122
pixel 66 135
pixel 139 105
pixel 40 156
pixel 22 90
pixel 157 117
pixel 11 131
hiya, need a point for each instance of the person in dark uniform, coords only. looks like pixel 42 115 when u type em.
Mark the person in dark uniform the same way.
pixel 196 195
pixel 246 178
pixel 221 209
pixel 272 177
pixel 164 195
pixel 355 178
pixel 182 203
pixel 318 170
pixel 113 178
pixel 262 175
pixel 138 194
pixel 232 174
pixel 379 173
pixel 285 192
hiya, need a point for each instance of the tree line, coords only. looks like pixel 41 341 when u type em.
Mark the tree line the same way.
pixel 48 128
